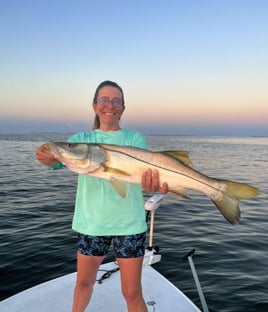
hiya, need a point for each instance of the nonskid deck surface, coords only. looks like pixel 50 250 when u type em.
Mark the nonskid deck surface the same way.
pixel 56 295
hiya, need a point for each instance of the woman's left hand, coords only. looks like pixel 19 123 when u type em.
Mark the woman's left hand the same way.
pixel 150 182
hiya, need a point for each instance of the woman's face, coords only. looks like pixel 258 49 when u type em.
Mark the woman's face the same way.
pixel 109 107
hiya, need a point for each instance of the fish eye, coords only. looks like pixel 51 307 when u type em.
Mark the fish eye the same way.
pixel 70 145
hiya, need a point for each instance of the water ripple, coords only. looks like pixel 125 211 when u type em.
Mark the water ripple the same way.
pixel 37 242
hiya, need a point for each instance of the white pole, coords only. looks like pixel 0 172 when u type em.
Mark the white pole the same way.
pixel 199 289
pixel 151 229
pixel 151 205
pixel 196 279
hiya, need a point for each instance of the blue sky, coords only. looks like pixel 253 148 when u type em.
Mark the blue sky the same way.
pixel 186 67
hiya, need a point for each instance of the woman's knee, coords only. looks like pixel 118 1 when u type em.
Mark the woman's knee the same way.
pixel 83 283
pixel 131 293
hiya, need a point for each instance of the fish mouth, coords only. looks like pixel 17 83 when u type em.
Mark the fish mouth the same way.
pixel 52 146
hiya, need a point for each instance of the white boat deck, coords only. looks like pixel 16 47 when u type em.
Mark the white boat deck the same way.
pixel 56 295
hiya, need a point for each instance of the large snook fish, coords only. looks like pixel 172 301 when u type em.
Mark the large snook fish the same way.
pixel 122 165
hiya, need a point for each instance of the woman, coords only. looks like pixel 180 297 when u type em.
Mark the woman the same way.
pixel 101 216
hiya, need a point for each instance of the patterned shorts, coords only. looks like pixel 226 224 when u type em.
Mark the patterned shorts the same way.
pixel 129 246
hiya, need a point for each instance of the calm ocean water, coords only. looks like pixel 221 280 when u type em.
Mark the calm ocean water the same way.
pixel 37 243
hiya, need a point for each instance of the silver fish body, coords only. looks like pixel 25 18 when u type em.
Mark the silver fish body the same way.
pixel 122 165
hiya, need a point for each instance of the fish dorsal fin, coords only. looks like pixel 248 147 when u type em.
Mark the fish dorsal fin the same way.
pixel 183 156
pixel 120 187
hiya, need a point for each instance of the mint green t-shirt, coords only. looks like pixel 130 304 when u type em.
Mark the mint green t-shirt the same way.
pixel 99 210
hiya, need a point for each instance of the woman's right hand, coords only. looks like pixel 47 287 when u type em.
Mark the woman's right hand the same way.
pixel 44 156
pixel 150 182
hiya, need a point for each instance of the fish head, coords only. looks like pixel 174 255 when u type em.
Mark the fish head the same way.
pixel 78 157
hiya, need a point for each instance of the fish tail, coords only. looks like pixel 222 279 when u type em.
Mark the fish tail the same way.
pixel 228 204
pixel 241 190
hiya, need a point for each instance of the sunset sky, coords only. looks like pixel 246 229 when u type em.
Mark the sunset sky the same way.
pixel 187 67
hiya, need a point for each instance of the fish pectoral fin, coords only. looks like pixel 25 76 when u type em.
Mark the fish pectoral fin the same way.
pixel 182 156
pixel 120 187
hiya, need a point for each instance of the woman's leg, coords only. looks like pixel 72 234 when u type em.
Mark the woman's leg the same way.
pixel 130 270
pixel 87 268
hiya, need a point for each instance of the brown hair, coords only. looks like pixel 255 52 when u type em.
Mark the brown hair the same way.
pixel 105 83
